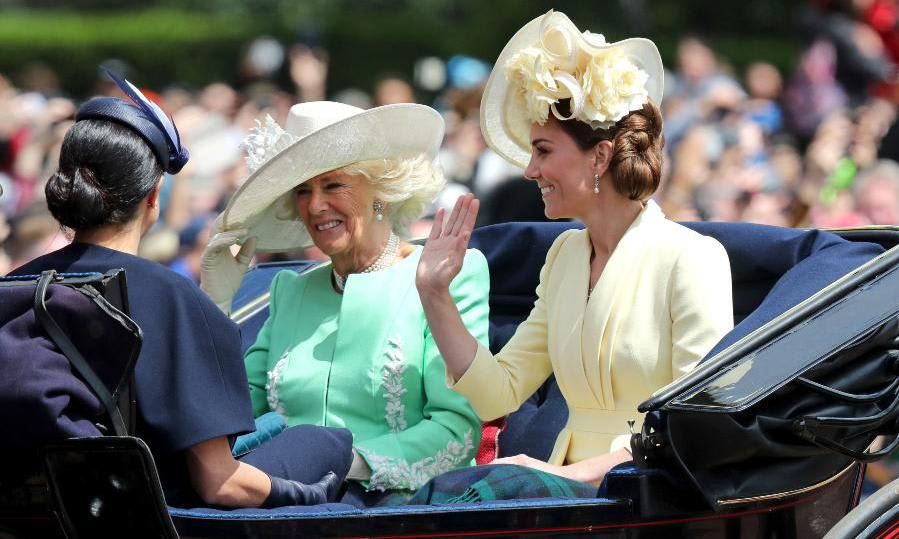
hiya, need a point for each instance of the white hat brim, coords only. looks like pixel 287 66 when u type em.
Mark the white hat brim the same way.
pixel 262 203
pixel 504 123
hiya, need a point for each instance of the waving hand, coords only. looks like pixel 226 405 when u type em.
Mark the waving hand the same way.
pixel 441 259
pixel 440 262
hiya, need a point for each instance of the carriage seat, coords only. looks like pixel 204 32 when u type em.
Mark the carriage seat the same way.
pixel 772 268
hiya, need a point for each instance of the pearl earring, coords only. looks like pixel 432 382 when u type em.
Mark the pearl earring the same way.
pixel 378 206
pixel 596 183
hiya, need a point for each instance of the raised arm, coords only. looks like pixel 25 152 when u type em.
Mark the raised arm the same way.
pixel 493 385
pixel 221 272
pixel 440 262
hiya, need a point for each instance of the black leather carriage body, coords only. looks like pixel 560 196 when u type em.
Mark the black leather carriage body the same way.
pixel 792 403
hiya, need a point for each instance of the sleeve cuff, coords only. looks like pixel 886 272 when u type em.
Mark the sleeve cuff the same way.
pixel 478 370
pixel 478 384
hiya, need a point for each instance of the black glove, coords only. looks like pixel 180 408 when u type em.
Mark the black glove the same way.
pixel 287 492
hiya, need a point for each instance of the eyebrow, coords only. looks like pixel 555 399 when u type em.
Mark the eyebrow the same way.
pixel 539 140
pixel 324 177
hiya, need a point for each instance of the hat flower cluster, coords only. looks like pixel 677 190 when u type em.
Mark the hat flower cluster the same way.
pixel 602 83
pixel 264 142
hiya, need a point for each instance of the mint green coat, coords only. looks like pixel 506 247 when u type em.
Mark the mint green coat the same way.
pixel 366 361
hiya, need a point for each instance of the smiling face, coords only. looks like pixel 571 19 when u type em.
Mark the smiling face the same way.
pixel 563 171
pixel 337 209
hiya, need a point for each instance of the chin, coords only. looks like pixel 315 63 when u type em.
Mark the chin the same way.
pixel 329 248
pixel 552 213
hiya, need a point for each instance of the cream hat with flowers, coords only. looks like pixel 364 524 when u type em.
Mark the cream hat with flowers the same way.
pixel 319 137
pixel 548 60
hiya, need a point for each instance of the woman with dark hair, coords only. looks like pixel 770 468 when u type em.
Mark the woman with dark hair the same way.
pixel 190 382
pixel 624 306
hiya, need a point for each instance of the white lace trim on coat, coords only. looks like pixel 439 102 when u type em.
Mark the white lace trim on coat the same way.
pixel 395 473
pixel 393 385
pixel 274 381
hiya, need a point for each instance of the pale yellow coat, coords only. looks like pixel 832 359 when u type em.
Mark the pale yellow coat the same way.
pixel 661 303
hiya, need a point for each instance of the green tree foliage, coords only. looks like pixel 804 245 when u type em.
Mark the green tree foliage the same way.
pixel 193 42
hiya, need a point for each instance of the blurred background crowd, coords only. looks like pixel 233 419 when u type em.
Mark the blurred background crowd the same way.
pixel 797 131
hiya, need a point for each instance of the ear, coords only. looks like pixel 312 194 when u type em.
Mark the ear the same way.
pixel 153 195
pixel 602 156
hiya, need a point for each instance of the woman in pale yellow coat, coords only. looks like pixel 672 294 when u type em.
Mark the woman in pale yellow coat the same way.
pixel 625 306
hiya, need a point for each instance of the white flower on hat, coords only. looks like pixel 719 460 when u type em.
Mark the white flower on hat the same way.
pixel 614 86
pixel 531 71
pixel 265 141
pixel 603 85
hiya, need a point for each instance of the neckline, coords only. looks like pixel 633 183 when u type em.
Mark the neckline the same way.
pixel 649 208
pixel 416 251
pixel 84 246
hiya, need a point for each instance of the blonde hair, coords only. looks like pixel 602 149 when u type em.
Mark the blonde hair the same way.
pixel 408 185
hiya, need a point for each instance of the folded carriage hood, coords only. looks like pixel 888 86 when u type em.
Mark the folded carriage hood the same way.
pixel 831 320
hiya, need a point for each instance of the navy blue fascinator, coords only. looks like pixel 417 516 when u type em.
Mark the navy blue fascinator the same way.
pixel 145 118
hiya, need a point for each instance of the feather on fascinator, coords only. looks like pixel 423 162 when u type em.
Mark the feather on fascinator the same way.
pixel 145 118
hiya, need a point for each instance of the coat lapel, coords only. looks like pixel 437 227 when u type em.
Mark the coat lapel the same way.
pixel 570 280
pixel 607 305
pixel 370 302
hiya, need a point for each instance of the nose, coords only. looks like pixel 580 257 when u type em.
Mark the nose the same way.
pixel 532 172
pixel 317 201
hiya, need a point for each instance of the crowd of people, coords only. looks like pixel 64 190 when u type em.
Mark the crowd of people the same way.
pixel 814 147
pixel 807 148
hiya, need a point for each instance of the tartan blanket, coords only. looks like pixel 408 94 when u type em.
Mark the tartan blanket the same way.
pixel 498 482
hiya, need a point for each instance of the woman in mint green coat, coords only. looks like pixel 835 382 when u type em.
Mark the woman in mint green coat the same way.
pixel 347 343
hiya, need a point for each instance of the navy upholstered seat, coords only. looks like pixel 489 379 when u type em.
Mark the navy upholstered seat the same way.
pixel 776 268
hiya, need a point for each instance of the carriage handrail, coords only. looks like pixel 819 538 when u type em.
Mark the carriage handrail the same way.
pixel 851 397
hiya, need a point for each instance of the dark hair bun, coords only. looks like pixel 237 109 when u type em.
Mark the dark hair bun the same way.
pixel 105 171
pixel 76 201
pixel 637 160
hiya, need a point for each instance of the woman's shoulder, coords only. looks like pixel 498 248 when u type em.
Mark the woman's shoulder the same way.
pixel 571 239
pixel 158 280
pixel 82 257
pixel 474 260
pixel 155 286
pixel 158 272
pixel 475 271
pixel 153 281
pixel 678 240
pixel 290 281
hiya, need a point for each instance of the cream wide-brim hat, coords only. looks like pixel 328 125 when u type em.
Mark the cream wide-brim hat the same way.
pixel 504 123
pixel 322 136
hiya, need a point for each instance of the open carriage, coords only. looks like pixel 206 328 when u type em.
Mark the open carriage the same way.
pixel 767 437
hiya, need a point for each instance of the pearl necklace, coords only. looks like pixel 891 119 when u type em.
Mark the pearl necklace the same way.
pixel 388 255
